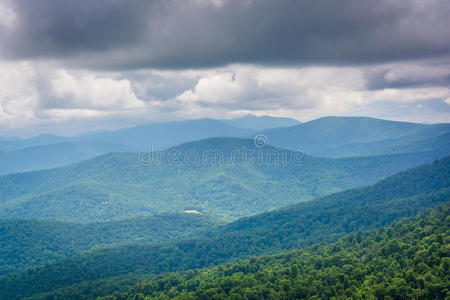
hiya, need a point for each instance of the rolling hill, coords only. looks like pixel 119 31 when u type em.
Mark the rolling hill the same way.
pixel 408 260
pixel 322 220
pixel 124 185
pixel 350 136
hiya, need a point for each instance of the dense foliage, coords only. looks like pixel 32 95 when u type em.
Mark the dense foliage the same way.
pixel 121 185
pixel 29 243
pixel 322 220
pixel 409 260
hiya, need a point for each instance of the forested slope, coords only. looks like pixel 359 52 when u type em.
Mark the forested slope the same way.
pixel 322 220
pixel 408 260
pixel 29 243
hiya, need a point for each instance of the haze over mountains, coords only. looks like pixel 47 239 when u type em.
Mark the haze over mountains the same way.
pixel 329 137
pixel 53 155
pixel 260 123
pixel 160 135
pixel 350 136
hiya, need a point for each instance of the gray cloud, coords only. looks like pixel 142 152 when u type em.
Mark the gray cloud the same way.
pixel 175 34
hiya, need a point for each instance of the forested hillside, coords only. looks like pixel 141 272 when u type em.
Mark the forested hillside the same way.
pixel 29 243
pixel 408 260
pixel 255 180
pixel 321 220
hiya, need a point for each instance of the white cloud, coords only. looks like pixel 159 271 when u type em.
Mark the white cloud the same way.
pixel 32 94
pixel 261 88
pixel 87 91
pixel 18 96
pixel 306 93
pixel 219 88
pixel 408 94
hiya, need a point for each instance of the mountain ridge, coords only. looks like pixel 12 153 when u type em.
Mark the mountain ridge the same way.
pixel 320 136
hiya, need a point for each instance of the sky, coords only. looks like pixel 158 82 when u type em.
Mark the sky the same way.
pixel 68 66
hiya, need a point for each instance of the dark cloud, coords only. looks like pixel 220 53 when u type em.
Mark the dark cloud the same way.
pixel 117 34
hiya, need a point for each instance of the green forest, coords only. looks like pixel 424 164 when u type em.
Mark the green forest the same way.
pixel 29 243
pixel 323 220
pixel 408 260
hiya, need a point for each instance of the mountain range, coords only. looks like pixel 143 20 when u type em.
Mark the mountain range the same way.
pixel 240 179
pixel 328 137
pixel 260 123
pixel 353 136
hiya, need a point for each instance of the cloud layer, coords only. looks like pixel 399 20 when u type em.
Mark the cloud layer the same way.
pixel 204 33
pixel 68 66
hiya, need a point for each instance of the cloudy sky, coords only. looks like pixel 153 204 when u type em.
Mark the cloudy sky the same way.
pixel 68 66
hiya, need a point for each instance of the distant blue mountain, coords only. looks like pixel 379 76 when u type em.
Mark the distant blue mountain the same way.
pixel 12 144
pixel 260 123
pixel 164 135
pixel 53 155
pixel 350 136
pixel 49 151
pixel 327 137
pixel 160 135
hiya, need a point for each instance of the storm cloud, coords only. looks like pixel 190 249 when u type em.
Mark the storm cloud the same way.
pixel 172 34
